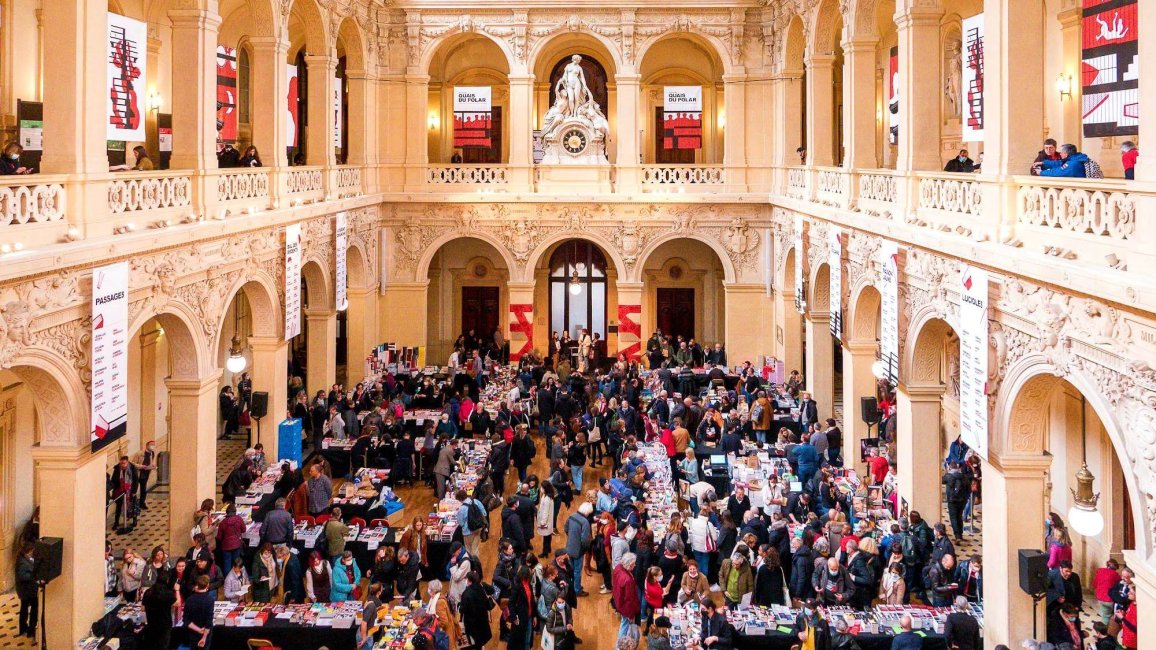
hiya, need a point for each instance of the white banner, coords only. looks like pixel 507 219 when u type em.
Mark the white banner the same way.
pixel 889 309
pixel 109 354
pixel 472 99
pixel 835 260
pixel 800 279
pixel 971 90
pixel 126 95
pixel 292 280
pixel 340 240
pixel 973 323
pixel 337 110
pixel 682 99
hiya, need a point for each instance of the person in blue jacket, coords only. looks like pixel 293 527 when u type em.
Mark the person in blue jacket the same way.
pixel 1071 164
pixel 346 577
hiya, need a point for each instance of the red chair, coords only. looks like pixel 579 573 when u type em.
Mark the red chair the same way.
pixel 379 523
pixel 321 519
pixel 305 518
pixel 357 521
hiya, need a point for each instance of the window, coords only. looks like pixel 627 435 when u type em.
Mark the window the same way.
pixel 578 288
pixel 243 86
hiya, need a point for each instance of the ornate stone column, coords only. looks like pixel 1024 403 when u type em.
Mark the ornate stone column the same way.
pixel 820 373
pixel 857 382
pixel 269 91
pixel 1013 118
pixel 734 131
pixel 403 314
pixel 917 449
pixel 919 85
pixel 629 97
pixel 392 102
pixel 1013 518
pixel 319 132
pixel 787 123
pixel 520 319
pixel 194 85
pixel 417 132
pixel 148 386
pixel 321 330
pixel 75 93
pixel 271 375
pixel 1071 35
pixel 859 130
pixel 521 126
pixel 820 110
pixel 361 329
pixel 73 508
pixel 193 470
pixel 362 122
pixel 789 335
pixel 152 135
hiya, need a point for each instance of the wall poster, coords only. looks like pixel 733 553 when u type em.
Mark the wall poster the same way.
pixel 889 309
pixel 127 62
pixel 341 242
pixel 226 94
pixel 109 416
pixel 972 63
pixel 1110 70
pixel 473 113
pixel 973 315
pixel 682 117
pixel 835 261
pixel 292 280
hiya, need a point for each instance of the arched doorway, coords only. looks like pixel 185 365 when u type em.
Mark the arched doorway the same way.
pixel 467 291
pixel 789 331
pixel 860 351
pixel 468 60
pixel 683 293
pixel 578 289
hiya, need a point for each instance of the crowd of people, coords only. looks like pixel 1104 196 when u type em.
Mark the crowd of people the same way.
pixel 1056 160
pixel 583 524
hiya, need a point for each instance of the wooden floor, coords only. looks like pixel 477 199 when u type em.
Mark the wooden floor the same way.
pixel 595 621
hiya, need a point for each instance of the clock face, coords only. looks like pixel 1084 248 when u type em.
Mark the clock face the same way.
pixel 574 141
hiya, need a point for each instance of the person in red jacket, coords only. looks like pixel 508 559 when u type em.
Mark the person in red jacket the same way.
pixel 1106 577
pixel 1127 618
pixel 230 535
pixel 626 601
pixel 1128 155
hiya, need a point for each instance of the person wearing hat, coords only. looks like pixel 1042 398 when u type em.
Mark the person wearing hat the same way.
pixel 659 636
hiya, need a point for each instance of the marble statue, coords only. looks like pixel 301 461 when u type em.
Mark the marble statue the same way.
pixel 574 130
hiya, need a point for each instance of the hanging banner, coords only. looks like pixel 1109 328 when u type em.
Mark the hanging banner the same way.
pixel 127 58
pixel 1110 74
pixel 341 242
pixel 973 315
pixel 889 309
pixel 226 94
pixel 972 62
pixel 893 96
pixel 472 117
pixel 800 277
pixel 338 107
pixel 835 261
pixel 682 117
pixel 291 106
pixel 109 416
pixel 292 280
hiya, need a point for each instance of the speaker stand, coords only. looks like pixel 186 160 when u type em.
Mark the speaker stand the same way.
pixel 1036 598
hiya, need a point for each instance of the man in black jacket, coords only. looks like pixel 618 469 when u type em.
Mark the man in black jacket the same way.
pixel 522 452
pixel 802 566
pixel 716 631
pixel 834 586
pixel 121 486
pixel 961 630
pixel 512 524
pixel 499 461
pixel 861 574
pixel 958 488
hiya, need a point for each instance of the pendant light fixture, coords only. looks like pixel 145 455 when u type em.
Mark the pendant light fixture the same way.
pixel 1084 515
pixel 575 285
pixel 236 362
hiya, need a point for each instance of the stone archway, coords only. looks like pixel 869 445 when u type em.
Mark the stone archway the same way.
pixel 317 348
pixel 789 332
pixel 860 351
pixel 820 344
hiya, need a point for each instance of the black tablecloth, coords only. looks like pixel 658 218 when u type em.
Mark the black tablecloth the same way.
pixel 338 459
pixel 262 507
pixel 286 636
pixel 781 641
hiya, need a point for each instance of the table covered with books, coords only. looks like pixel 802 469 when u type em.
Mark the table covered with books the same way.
pixel 333 625
pixel 774 627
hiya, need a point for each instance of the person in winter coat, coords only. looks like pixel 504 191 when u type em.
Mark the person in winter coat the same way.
pixel 544 519
pixel 769 579
pixel 26 590
pixel 346 579
pixel 578 536
pixel 834 586
pixel 317 581
pixel 521 608
pixel 475 607
pixel 862 575
pixel 802 566
pixel 735 576
pixel 893 587
pixel 512 524
pixel 522 451
pixel 626 600
pixel 1072 164
pixel 702 532
pixel 694 586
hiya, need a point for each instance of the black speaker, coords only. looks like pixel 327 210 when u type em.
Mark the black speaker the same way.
pixel 49 555
pixel 870 408
pixel 259 405
pixel 1033 571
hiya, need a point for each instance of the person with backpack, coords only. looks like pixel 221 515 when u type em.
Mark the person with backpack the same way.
pixel 432 636
pixel 473 519
pixel 957 491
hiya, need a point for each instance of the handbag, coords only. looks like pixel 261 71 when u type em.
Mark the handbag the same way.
pixel 786 590
pixel 596 434
pixel 547 640
pixel 711 544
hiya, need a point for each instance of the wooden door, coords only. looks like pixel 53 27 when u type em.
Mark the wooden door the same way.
pixel 676 312
pixel 480 310
pixel 668 156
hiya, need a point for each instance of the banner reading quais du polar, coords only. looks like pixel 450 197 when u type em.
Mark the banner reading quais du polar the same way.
pixel 109 416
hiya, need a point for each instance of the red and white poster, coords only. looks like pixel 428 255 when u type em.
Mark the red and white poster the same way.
pixel 972 76
pixel 291 106
pixel 973 321
pixel 473 113
pixel 127 53
pixel 1110 70
pixel 109 416
pixel 889 309
pixel 292 280
pixel 226 94
pixel 893 96
pixel 682 117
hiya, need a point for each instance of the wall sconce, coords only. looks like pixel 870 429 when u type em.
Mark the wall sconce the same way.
pixel 1064 86
pixel 433 121
pixel 722 119
pixel 155 101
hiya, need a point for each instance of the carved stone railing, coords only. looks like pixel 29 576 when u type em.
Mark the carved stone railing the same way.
pixel 832 186
pixel 466 175
pixel 1076 218
pixel 877 193
pixel 347 179
pixel 683 175
pixel 797 182
pixel 243 184
pixel 31 199
pixel 303 180
pixel 149 191
pixel 955 193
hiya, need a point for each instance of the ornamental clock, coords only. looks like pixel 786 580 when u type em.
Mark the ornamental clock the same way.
pixel 574 141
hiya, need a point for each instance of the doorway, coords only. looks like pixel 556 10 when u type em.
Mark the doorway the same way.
pixel 676 311
pixel 480 310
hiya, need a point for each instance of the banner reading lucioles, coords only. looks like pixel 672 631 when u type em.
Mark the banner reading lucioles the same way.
pixel 973 315
pixel 109 415
pixel 835 261
pixel 340 241
pixel 889 309
pixel 292 280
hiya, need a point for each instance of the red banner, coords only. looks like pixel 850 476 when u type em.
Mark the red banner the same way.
pixel 226 94
pixel 523 326
pixel 682 130
pixel 629 332
pixel 1109 71
pixel 472 117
